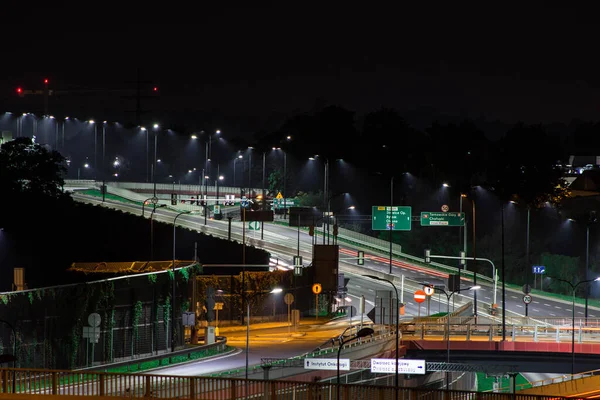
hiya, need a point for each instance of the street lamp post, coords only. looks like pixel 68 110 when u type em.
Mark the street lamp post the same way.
pixel 574 289
pixel 174 281
pixel 235 160
pixel 103 161
pixel 91 121
pixel 276 290
pixel 448 296
pixel 360 334
pixel 147 152
pixel 397 321
pixel 391 226
pixel 155 157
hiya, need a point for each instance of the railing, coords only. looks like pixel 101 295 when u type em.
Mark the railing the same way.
pixel 557 379
pixel 516 333
pixel 69 383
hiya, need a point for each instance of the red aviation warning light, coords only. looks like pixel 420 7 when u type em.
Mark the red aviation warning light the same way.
pixel 46 81
pixel 155 89
pixel 19 90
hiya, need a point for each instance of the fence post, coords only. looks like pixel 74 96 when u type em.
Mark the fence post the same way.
pixel 148 387
pixel 4 381
pixel 54 383
pixel 192 387
pixel 233 386
pixel 101 384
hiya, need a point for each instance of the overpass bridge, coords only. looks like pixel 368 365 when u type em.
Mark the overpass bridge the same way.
pixel 551 334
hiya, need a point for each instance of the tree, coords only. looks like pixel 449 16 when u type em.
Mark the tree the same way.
pixel 309 199
pixel 29 169
pixel 275 181
pixel 30 175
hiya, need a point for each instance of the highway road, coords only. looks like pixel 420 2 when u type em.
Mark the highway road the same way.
pixel 282 242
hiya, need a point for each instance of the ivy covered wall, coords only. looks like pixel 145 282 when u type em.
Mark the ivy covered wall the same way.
pixel 135 319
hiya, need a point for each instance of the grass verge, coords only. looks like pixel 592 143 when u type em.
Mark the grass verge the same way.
pixel 485 383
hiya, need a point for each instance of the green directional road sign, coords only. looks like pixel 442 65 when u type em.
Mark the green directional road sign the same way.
pixel 400 218
pixel 442 219
pixel 254 226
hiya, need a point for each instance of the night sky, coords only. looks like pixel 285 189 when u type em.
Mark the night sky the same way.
pixel 246 68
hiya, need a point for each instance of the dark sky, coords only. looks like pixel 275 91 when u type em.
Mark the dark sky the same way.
pixel 258 63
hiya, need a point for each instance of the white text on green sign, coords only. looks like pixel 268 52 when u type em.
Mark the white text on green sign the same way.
pixel 397 218
pixel 442 219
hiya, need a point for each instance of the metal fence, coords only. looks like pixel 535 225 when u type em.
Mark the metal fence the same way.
pixel 515 333
pixel 69 383
pixel 50 323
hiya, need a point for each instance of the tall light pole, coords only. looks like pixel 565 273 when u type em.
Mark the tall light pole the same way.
pixel 249 194
pixel 143 129
pixel 396 313
pixel 103 147
pixel 448 296
pixel 574 289
pixel 264 194
pixel 174 281
pixel 360 334
pixel 391 226
pixel 276 290
pixel 592 219
pixel 235 160
pixel 91 122
pixel 155 127
pixel 325 193
pixel 103 161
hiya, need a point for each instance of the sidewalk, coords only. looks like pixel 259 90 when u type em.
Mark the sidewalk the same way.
pixel 270 325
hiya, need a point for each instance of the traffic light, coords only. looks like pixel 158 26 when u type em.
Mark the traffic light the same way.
pixel 311 230
pixel 361 258
pixel 335 230
pixel 462 258
pixel 427 255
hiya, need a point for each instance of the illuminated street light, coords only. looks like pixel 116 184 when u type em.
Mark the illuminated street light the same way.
pixel 445 185
pixel 574 289
pixel 273 291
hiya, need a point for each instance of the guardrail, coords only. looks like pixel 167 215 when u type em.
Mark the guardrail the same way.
pixel 41 382
pixel 383 246
pixel 166 358
pixel 516 333
pixel 557 379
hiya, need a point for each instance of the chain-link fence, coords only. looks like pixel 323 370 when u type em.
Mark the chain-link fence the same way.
pixel 52 327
